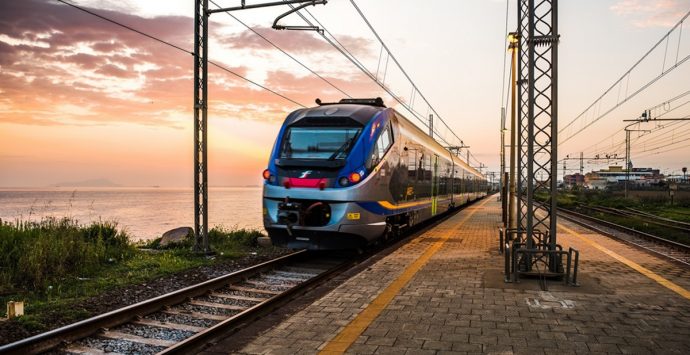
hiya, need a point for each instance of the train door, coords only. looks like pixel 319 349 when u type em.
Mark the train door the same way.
pixel 434 184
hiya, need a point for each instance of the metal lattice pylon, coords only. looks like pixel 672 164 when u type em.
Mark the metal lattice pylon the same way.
pixel 200 124
pixel 537 122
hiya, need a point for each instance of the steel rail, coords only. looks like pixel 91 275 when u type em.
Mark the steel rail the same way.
pixel 54 339
pixel 650 218
pixel 578 218
pixel 200 340
pixel 645 214
pixel 51 339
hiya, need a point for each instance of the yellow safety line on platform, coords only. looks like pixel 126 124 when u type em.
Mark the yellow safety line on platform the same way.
pixel 635 266
pixel 341 342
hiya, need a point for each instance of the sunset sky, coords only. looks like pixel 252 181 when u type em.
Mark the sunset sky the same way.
pixel 81 98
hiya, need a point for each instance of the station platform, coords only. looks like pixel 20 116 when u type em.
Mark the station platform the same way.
pixel 443 292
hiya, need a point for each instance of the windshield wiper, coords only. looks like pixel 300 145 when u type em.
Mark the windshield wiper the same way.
pixel 341 149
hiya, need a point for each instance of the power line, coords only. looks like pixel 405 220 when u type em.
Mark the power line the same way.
pixel 619 83
pixel 335 43
pixel 180 49
pixel 663 151
pixel 283 51
pixel 654 108
pixel 652 140
pixel 359 11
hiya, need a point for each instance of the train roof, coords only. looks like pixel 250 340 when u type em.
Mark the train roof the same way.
pixel 360 113
pixel 360 110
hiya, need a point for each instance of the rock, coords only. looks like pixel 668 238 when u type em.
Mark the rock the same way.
pixel 176 236
pixel 264 242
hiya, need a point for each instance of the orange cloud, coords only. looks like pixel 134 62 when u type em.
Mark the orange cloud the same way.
pixel 54 55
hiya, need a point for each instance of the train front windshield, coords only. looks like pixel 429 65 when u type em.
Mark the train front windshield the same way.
pixel 318 143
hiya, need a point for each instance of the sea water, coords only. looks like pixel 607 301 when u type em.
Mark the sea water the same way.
pixel 145 213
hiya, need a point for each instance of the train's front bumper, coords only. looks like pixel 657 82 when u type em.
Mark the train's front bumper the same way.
pixel 346 226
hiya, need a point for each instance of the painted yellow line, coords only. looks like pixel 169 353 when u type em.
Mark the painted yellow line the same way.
pixel 635 266
pixel 391 206
pixel 341 342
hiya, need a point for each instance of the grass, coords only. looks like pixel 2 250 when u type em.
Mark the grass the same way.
pixel 37 255
pixel 53 264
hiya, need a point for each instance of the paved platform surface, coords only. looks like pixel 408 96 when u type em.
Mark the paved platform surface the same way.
pixel 444 293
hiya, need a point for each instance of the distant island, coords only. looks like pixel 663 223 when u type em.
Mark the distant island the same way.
pixel 87 183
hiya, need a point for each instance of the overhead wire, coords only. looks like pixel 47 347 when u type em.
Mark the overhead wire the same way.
pixel 335 43
pixel 641 139
pixel 283 51
pixel 595 147
pixel 217 65
pixel 620 81
pixel 404 72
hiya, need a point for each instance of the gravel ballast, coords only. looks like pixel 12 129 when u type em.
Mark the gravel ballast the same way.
pixel 11 331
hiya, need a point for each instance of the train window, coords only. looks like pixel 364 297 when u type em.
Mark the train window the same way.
pixel 427 168
pixel 318 143
pixel 420 166
pixel 412 164
pixel 381 146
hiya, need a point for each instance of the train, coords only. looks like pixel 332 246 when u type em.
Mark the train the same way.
pixel 348 174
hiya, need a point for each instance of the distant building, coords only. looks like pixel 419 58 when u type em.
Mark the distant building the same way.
pixel 616 175
pixel 570 181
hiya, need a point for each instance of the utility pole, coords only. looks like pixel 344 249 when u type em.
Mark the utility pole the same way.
pixel 628 160
pixel 645 117
pixel 582 163
pixel 201 16
pixel 538 135
pixel 201 244
pixel 457 149
pixel 431 125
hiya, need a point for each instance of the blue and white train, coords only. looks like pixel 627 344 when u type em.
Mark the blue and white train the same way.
pixel 343 175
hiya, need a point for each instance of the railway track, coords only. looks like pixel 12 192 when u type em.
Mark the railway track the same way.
pixel 649 218
pixel 652 243
pixel 185 320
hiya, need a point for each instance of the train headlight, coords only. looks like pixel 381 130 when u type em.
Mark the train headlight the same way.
pixel 343 181
pixel 355 178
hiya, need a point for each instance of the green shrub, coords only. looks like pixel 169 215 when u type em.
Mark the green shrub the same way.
pixel 34 255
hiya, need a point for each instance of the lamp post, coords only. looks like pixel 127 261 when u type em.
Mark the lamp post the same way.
pixel 514 47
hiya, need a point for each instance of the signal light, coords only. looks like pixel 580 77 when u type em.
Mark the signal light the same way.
pixel 355 178
pixel 266 174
